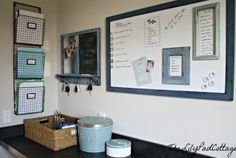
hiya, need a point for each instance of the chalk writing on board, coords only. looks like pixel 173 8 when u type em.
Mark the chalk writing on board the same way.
pixel 152 33
pixel 119 43
pixel 176 67
pixel 88 53
pixel 141 75
pixel 206 32
pixel 175 20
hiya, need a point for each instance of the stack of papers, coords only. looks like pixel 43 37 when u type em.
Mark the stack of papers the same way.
pixel 67 125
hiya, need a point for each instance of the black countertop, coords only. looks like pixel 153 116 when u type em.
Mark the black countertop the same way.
pixel 33 150
pixel 14 137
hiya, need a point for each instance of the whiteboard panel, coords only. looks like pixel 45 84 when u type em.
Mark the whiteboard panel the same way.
pixel 137 41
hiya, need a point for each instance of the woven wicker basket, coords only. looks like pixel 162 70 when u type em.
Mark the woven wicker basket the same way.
pixel 46 135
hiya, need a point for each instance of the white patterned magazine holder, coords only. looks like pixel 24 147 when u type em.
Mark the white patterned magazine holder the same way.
pixel 29 27
pixel 30 97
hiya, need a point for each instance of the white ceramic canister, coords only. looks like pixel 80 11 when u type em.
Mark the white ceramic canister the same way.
pixel 118 148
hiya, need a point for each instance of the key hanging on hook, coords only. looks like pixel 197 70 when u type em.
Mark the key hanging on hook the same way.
pixel 77 87
pixel 90 88
pixel 67 89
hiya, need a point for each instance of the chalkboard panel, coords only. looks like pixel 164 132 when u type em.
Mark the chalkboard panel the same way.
pixel 88 53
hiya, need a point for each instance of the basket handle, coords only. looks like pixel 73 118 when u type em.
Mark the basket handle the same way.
pixel 46 120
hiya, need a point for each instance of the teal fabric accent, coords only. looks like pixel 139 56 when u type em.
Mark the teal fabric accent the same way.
pixel 30 63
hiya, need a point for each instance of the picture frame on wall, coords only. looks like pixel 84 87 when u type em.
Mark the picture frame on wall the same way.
pixel 206 32
pixel 176 65
pixel 80 57
pixel 81 53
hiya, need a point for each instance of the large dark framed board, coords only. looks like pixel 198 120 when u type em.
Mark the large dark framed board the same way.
pixel 183 49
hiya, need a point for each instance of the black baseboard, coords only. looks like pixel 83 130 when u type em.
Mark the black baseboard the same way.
pixel 141 148
pixel 11 131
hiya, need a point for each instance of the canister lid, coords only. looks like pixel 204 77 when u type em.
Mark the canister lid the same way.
pixel 93 121
pixel 118 143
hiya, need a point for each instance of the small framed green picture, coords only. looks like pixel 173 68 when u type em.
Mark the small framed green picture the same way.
pixel 206 32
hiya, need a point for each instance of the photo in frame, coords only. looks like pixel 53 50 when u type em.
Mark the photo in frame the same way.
pixel 70 53
pixel 176 65
pixel 206 32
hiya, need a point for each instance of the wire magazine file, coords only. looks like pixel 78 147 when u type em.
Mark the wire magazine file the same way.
pixel 30 63
pixel 29 28
pixel 29 97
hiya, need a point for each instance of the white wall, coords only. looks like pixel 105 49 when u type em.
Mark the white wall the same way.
pixel 163 120
pixel 49 8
